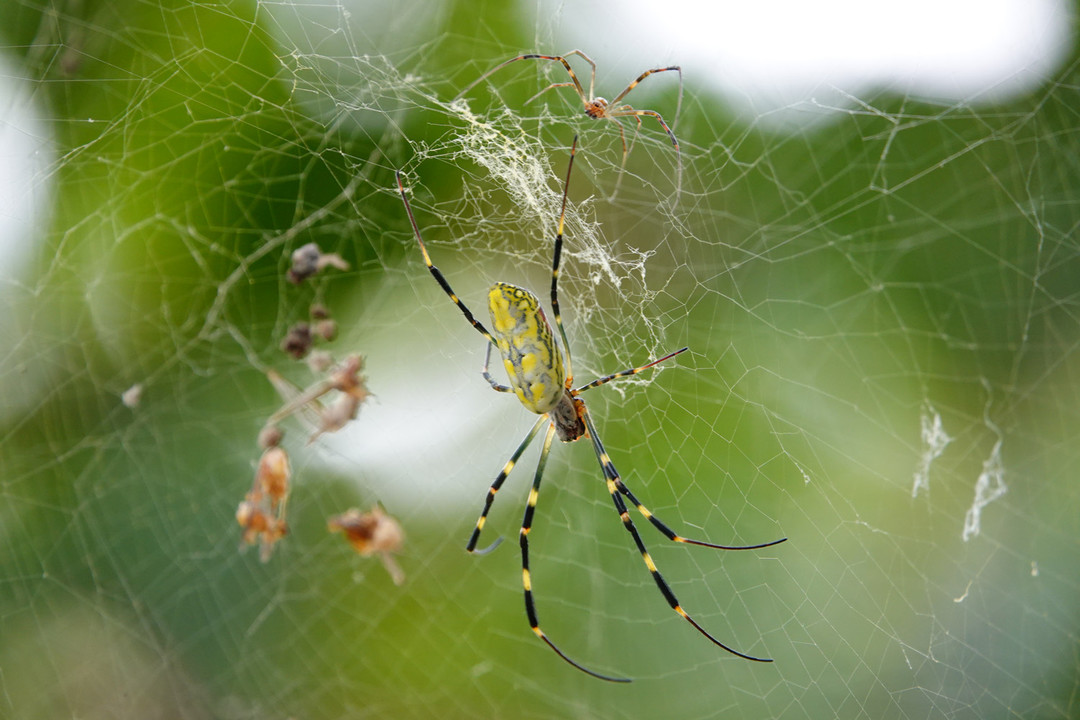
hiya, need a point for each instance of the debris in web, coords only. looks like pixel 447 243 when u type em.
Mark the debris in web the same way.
pixel 297 341
pixel 308 260
pixel 302 336
pixel 132 396
pixel 988 488
pixel 262 512
pixel 935 440
pixel 344 379
pixel 372 533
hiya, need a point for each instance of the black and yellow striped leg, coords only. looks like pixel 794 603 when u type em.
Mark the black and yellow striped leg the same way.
pixel 435 271
pixel 499 480
pixel 645 512
pixel 557 256
pixel 613 482
pixel 628 372
pixel 526 580
pixel 487 375
pixel 672 535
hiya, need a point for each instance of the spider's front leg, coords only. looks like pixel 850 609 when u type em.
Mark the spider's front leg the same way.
pixel 498 387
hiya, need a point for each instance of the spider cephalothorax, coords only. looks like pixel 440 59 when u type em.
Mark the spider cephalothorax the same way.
pixel 597 108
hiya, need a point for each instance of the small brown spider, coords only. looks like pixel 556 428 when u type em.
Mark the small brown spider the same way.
pixel 598 107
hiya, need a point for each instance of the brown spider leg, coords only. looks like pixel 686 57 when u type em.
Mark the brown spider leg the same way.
pixel 557 255
pixel 526 580
pixel 627 111
pixel 637 131
pixel 642 76
pixel 499 480
pixel 487 375
pixel 678 103
pixel 613 482
pixel 626 373
pixel 577 84
pixel 435 271
pixel 549 87
pixel 592 74
pixel 625 151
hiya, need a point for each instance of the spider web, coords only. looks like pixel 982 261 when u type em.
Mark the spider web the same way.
pixel 880 301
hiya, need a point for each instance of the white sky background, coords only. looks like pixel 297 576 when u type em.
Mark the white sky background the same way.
pixel 26 164
pixel 25 155
pixel 776 53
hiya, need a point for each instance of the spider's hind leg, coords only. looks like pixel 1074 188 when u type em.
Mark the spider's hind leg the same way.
pixel 611 475
pixel 526 578
pixel 671 534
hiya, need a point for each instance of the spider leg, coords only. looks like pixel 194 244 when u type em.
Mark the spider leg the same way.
pixel 499 480
pixel 627 111
pixel 646 74
pixel 552 86
pixel 645 512
pixel 625 155
pixel 626 149
pixel 526 526
pixel 628 107
pixel 435 271
pixel 626 373
pixel 487 375
pixel 671 535
pixel 613 482
pixel 592 75
pixel 557 58
pixel 556 256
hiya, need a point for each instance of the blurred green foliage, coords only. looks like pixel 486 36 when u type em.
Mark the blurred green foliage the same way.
pixel 835 284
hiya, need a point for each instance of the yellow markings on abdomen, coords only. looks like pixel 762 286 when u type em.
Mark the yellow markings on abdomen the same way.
pixel 532 358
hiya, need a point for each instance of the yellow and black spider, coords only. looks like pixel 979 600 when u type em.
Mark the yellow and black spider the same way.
pixel 541 377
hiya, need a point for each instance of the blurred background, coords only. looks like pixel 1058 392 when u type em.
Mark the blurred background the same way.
pixel 867 236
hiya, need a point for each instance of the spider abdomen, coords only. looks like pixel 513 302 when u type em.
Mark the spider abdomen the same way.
pixel 531 356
